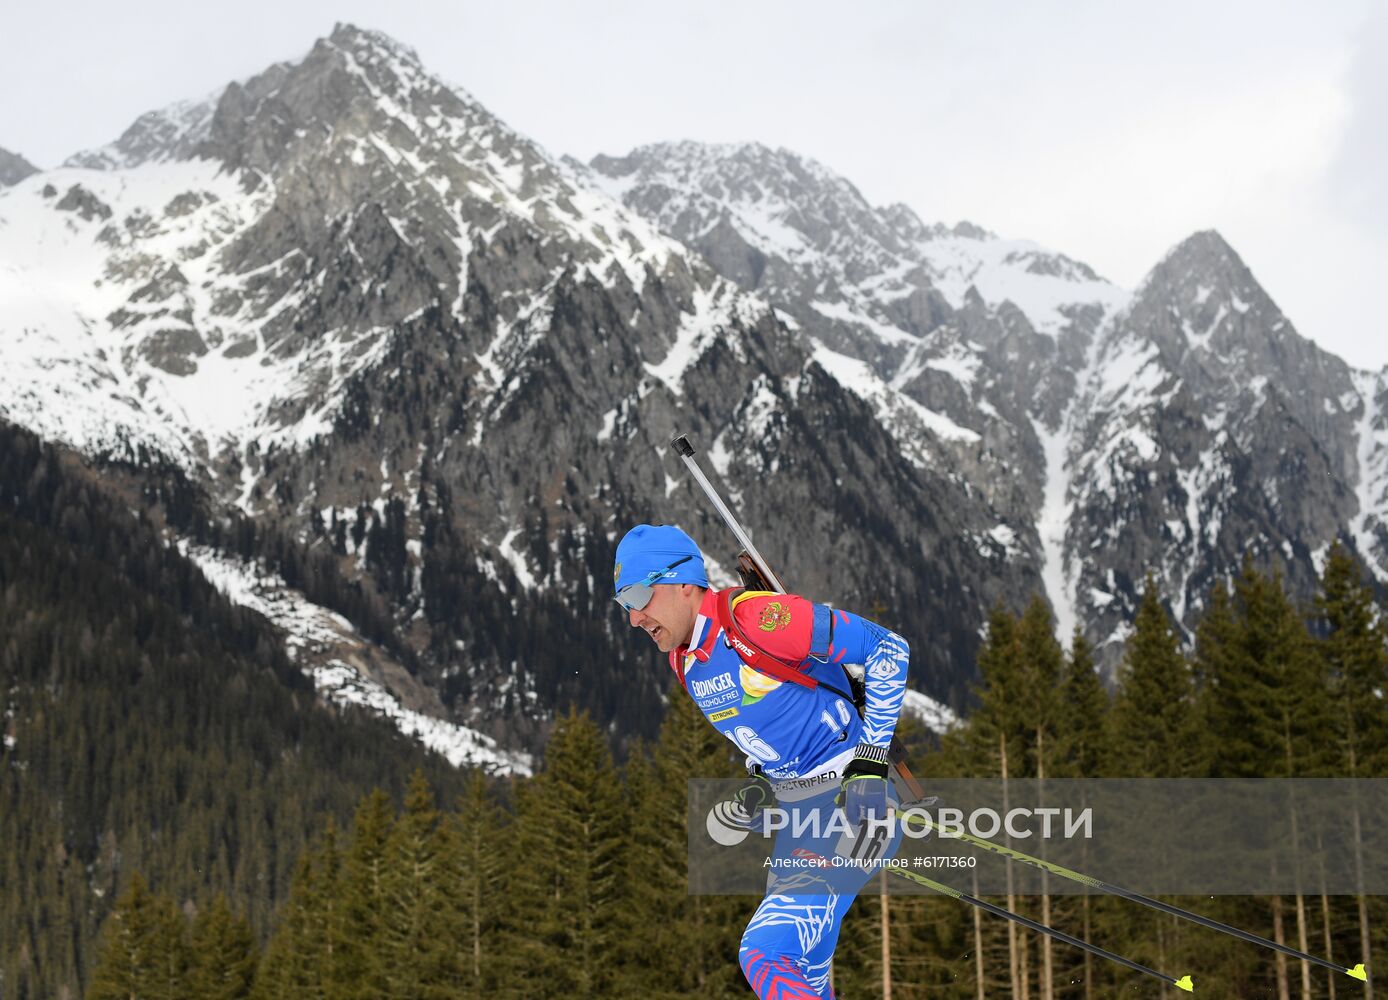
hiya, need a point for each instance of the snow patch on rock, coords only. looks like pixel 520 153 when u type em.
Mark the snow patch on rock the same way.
pixel 936 716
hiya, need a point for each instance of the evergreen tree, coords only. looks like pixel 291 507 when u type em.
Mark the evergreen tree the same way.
pixel 1266 709
pixel 995 743
pixel 1042 667
pixel 1354 647
pixel 301 958
pixel 1233 642
pixel 422 919
pixel 1354 650
pixel 1085 739
pixel 145 953
pixel 224 954
pixel 1002 715
pixel 151 725
pixel 361 973
pixel 481 831
pixel 673 943
pixel 1084 735
pixel 1151 718
pixel 565 865
pixel 1213 656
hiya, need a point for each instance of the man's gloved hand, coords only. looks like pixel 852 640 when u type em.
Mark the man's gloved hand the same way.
pixel 863 791
pixel 754 795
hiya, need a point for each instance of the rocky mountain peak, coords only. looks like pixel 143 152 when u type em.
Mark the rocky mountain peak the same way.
pixel 313 210
pixel 170 133
pixel 1200 265
pixel 14 168
pixel 371 46
pixel 1214 324
pixel 908 225
pixel 789 205
pixel 351 84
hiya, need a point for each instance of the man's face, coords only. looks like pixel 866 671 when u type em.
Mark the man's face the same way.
pixel 669 617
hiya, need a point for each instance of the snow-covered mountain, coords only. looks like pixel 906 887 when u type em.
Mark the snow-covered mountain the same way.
pixel 865 280
pixel 983 337
pixel 1207 428
pixel 420 373
pixel 343 299
pixel 218 274
pixel 347 669
pixel 1167 429
pixel 14 168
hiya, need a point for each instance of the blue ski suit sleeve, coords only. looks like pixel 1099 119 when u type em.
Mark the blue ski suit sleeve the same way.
pixel 885 657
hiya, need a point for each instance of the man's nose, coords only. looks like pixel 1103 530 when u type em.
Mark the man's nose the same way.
pixel 635 617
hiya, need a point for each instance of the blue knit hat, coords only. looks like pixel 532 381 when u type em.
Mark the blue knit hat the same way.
pixel 647 548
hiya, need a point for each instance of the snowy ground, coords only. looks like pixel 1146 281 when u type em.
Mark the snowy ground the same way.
pixel 321 641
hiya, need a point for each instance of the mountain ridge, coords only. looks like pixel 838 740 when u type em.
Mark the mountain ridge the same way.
pixel 352 305
pixel 1047 409
pixel 14 168
pixel 450 366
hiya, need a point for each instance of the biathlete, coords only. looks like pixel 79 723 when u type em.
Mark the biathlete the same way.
pixel 767 671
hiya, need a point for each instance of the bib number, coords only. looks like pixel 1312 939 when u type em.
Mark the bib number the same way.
pixel 753 745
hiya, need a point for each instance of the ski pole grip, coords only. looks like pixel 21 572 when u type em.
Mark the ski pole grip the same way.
pixel 682 446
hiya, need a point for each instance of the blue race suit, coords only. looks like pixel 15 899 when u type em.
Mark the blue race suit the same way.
pixel 802 739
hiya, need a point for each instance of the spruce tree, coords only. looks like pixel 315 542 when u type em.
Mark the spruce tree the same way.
pixel 1215 653
pixel 572 823
pixel 1042 667
pixel 994 743
pixel 301 956
pixel 224 954
pixel 1239 643
pixel 674 943
pixel 1083 751
pixel 421 917
pixel 480 831
pixel 1084 738
pixel 1151 736
pixel 1002 715
pixel 145 953
pixel 1354 649
pixel 1266 712
pixel 1151 718
pixel 360 967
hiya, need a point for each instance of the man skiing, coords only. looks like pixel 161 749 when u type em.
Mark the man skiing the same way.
pixel 767 670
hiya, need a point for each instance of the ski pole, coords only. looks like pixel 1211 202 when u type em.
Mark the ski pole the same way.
pixel 1356 972
pixel 1184 983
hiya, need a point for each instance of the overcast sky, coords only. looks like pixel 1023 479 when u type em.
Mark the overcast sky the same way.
pixel 1106 131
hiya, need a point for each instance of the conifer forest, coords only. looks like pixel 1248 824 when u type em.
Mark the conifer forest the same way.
pixel 178 818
